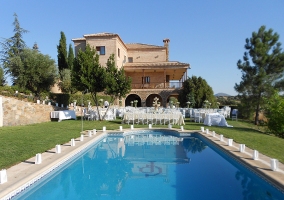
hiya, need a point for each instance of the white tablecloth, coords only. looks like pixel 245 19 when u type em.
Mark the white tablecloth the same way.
pixel 175 118
pixel 64 114
pixel 215 119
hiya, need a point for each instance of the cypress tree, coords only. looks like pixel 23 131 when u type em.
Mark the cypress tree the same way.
pixel 70 57
pixel 62 53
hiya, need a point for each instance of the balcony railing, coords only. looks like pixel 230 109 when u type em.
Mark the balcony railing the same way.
pixel 157 85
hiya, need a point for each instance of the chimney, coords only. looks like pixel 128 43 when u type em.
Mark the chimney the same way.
pixel 166 44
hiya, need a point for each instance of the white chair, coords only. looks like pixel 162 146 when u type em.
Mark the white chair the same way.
pixel 86 115
pixel 150 118
pixel 198 117
pixel 166 119
pixel 130 118
pixel 234 114
pixel 141 118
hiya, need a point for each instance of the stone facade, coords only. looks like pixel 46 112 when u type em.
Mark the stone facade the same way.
pixel 152 73
pixel 17 112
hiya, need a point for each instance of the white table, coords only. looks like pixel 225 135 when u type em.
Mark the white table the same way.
pixel 174 118
pixel 62 115
pixel 215 119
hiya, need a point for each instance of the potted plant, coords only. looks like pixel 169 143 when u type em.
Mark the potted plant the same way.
pixel 131 103
pixel 205 103
pixel 101 102
pixel 135 103
pixel 74 101
pixel 171 104
pixel 177 103
pixel 188 103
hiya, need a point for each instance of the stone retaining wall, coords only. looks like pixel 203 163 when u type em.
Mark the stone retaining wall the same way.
pixel 17 112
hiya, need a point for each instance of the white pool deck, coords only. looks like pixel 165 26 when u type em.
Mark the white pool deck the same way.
pixel 25 173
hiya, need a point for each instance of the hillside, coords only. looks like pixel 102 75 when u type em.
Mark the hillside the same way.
pixel 222 95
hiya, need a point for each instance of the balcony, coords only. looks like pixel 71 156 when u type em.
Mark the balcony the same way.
pixel 158 85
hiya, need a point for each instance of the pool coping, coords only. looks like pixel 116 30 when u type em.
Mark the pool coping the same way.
pixel 26 173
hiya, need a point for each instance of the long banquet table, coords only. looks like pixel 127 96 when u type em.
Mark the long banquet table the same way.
pixel 62 115
pixel 174 118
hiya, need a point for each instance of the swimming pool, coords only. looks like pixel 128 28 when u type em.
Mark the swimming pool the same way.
pixel 152 164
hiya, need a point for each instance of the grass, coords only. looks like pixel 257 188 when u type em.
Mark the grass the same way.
pixel 20 143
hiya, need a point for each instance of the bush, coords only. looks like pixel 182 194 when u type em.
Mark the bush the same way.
pixel 274 113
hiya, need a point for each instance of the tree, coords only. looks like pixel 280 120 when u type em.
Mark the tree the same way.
pixel 262 69
pixel 62 53
pixel 35 47
pixel 37 71
pixel 70 57
pixel 2 77
pixel 88 74
pixel 65 84
pixel 12 47
pixel 190 98
pixel 274 113
pixel 200 90
pixel 118 84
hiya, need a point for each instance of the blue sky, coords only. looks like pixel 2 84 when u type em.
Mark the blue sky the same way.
pixel 208 34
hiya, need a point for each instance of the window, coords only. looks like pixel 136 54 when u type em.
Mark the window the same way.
pixel 118 52
pixel 130 59
pixel 146 79
pixel 167 78
pixel 101 50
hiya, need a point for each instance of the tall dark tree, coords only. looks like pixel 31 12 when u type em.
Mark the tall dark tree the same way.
pixel 262 69
pixel 12 47
pixel 88 74
pixel 200 90
pixel 62 53
pixel 70 57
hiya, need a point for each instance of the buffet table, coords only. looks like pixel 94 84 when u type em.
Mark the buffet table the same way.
pixel 62 115
pixel 215 119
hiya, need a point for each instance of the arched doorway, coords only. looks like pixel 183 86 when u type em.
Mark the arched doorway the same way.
pixel 132 97
pixel 150 99
pixel 174 97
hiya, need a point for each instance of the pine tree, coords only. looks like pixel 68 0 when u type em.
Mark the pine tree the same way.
pixel 262 68
pixel 11 49
pixel 62 53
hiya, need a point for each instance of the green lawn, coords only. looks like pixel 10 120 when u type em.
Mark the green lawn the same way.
pixel 22 142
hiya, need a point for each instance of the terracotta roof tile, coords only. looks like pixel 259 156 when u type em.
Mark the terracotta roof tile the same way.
pixel 75 39
pixel 100 34
pixel 141 46
pixel 157 64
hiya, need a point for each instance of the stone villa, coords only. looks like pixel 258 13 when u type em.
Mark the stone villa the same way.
pixel 153 75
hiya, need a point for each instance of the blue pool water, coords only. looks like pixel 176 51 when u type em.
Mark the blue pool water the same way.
pixel 152 165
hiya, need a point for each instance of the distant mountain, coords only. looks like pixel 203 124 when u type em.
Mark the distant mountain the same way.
pixel 222 95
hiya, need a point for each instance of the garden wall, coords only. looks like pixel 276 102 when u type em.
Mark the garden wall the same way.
pixel 16 112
